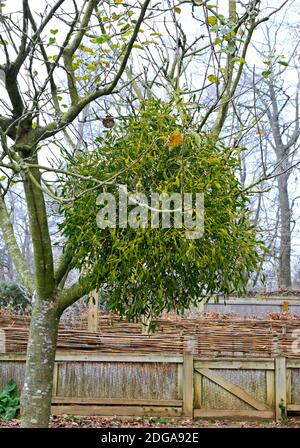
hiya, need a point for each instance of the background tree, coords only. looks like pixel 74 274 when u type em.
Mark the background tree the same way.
pixel 282 111
pixel 271 114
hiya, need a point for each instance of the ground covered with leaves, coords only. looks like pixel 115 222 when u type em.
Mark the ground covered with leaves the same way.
pixel 70 421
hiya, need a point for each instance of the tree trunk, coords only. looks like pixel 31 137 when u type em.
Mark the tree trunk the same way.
pixel 37 390
pixel 285 280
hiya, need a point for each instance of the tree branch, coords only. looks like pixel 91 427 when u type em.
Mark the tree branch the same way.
pixel 75 109
pixel 14 249
pixel 43 258
pixel 69 296
pixel 62 266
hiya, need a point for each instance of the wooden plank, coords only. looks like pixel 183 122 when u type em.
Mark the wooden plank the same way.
pixel 293 407
pixel 55 379
pixel 12 356
pixel 98 357
pixel 179 381
pixel 90 357
pixel 293 363
pixel 92 319
pixel 233 389
pixel 115 401
pixel 216 413
pixel 288 386
pixel 108 357
pixel 187 385
pixel 198 389
pixel 234 364
pixel 280 387
pixel 63 355
pixel 117 410
pixel 2 341
pixel 270 386
pixel 232 359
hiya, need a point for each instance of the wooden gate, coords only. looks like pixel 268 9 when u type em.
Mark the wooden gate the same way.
pixel 234 388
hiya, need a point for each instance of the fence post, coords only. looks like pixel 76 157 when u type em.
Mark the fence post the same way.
pixel 275 349
pixel 2 342
pixel 285 306
pixel 280 388
pixel 188 376
pixel 93 312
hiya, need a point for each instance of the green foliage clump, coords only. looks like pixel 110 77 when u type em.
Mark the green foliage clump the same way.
pixel 13 295
pixel 9 401
pixel 147 270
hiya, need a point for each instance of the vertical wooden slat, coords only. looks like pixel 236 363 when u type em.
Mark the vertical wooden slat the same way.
pixel 270 380
pixel 187 385
pixel 2 341
pixel 179 381
pixel 275 349
pixel 288 386
pixel 93 312
pixel 280 387
pixel 198 390
pixel 55 379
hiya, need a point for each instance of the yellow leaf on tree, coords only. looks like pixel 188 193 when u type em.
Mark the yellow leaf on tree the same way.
pixel 212 20
pixel 178 10
pixel 118 1
pixel 34 125
pixel 213 78
pixel 175 139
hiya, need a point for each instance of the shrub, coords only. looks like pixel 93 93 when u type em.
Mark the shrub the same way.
pixel 13 295
pixel 9 401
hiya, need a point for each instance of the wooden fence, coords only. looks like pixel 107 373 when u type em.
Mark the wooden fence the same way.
pixel 167 385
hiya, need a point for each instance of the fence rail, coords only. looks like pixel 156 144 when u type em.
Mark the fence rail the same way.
pixel 167 385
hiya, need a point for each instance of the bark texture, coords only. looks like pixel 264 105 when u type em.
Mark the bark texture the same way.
pixel 37 390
